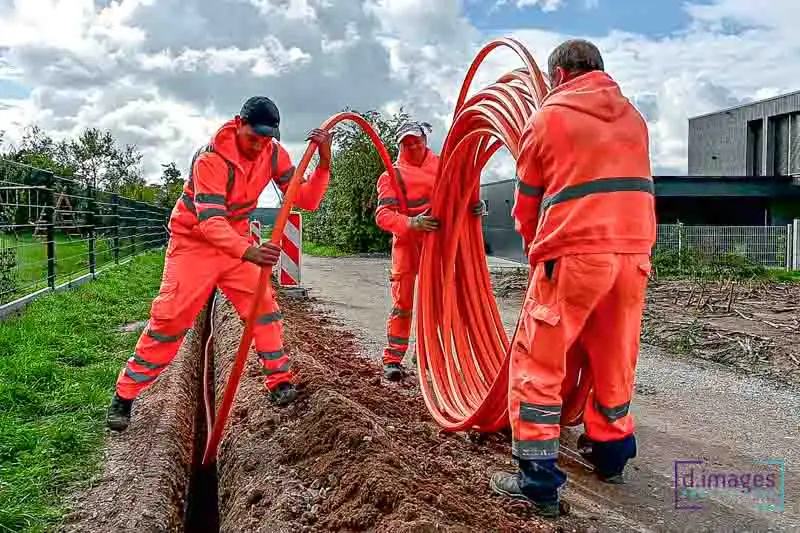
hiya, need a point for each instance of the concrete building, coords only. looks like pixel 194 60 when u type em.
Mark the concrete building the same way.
pixel 743 170
pixel 757 139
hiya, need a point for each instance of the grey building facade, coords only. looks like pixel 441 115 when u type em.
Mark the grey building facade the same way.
pixel 757 139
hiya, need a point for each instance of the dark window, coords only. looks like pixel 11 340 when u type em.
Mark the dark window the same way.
pixel 779 145
pixel 755 147
pixel 794 144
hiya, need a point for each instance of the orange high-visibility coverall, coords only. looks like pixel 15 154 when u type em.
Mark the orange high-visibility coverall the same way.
pixel 209 229
pixel 584 205
pixel 416 185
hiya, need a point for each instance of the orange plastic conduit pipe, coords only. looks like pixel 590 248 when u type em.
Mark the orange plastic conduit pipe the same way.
pixel 462 348
pixel 232 386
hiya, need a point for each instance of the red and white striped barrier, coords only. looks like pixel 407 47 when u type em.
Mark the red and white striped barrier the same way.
pixel 291 244
pixel 255 232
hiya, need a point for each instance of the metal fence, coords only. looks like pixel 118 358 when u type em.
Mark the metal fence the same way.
pixel 57 232
pixel 769 246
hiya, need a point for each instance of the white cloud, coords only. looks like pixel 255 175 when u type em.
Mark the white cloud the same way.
pixel 164 74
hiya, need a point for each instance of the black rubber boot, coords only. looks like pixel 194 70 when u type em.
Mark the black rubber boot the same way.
pixel 284 394
pixel 508 485
pixel 393 371
pixel 608 458
pixel 119 414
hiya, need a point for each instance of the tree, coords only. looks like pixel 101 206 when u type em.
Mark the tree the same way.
pixel 346 217
pixel 171 185
pixel 38 149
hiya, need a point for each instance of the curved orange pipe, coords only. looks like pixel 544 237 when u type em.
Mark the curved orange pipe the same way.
pixel 462 347
pixel 232 386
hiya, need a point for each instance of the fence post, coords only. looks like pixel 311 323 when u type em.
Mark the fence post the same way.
pixel 92 230
pixel 680 246
pixel 789 234
pixel 115 214
pixel 49 220
pixel 796 244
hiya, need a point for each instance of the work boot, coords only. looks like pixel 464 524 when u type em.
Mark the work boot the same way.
pixel 608 470
pixel 119 414
pixel 507 485
pixel 284 394
pixel 393 371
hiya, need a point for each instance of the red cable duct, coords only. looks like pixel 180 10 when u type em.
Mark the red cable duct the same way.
pixel 232 386
pixel 462 348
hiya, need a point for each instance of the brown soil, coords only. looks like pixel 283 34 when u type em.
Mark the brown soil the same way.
pixel 751 326
pixel 354 453
pixel 146 470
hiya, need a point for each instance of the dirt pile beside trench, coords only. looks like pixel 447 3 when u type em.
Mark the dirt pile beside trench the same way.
pixel 146 474
pixel 354 453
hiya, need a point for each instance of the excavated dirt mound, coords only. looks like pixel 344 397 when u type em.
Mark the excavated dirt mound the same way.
pixel 354 453
pixel 146 472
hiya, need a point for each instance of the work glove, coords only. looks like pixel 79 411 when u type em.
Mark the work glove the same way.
pixel 479 209
pixel 424 222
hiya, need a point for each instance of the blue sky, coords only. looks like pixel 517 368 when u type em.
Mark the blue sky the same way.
pixel 586 17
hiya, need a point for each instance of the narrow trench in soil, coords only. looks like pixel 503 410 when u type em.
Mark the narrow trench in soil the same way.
pixel 202 506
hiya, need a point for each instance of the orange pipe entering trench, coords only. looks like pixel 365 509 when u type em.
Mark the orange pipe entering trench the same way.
pixel 232 386
pixel 462 348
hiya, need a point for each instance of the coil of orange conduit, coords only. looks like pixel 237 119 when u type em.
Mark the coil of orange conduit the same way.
pixel 232 386
pixel 463 351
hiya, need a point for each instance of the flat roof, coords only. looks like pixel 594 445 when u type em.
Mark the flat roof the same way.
pixel 748 104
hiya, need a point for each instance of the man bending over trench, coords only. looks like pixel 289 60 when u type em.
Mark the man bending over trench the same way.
pixel 209 248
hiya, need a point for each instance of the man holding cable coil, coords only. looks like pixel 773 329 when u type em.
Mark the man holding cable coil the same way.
pixel 416 169
pixel 585 208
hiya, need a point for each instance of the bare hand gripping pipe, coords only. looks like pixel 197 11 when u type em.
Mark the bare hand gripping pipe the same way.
pixel 232 386
pixel 462 348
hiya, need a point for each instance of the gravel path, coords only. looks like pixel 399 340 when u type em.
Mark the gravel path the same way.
pixel 684 411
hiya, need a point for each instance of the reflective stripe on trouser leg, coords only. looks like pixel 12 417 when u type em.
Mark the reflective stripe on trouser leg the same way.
pixel 611 337
pixel 268 333
pixel 398 325
pixel 186 284
pixel 538 356
pixel 239 284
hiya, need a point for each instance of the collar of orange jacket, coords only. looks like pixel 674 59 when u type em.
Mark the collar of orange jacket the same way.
pixel 594 93
pixel 224 143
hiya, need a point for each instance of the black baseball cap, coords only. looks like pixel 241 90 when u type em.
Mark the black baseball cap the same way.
pixel 261 114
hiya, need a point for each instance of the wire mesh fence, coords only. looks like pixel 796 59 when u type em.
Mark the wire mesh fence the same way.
pixel 769 246
pixel 54 231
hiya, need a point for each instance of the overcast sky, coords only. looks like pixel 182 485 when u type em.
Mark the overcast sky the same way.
pixel 164 74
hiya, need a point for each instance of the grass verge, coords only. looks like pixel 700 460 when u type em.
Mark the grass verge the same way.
pixel 310 248
pixel 58 363
pixel 322 250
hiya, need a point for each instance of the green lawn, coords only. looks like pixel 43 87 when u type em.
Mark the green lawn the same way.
pixel 72 260
pixel 58 364
pixel 321 250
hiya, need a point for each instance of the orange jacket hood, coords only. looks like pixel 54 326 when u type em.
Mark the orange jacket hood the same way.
pixel 594 93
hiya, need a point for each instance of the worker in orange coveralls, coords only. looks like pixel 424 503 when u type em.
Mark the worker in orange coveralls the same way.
pixel 584 205
pixel 209 247
pixel 416 169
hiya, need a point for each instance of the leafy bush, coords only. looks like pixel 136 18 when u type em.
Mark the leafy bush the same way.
pixel 346 217
pixel 695 264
